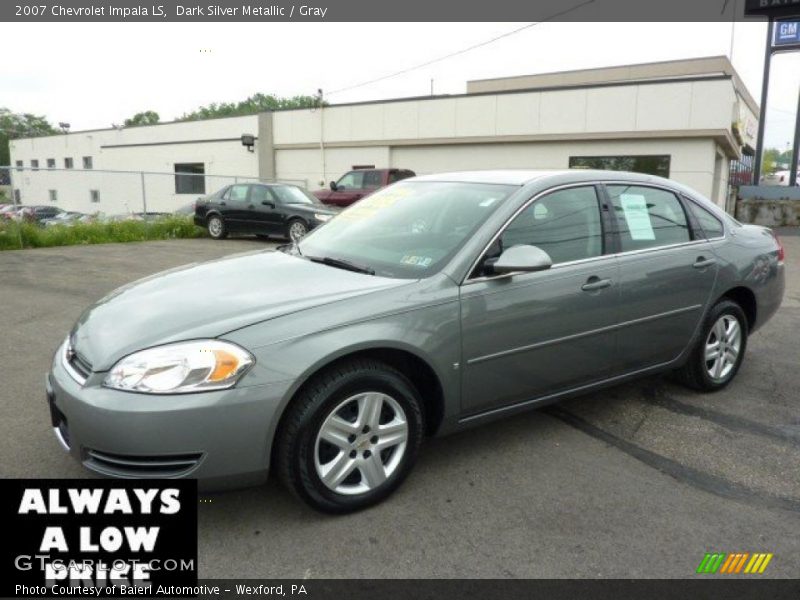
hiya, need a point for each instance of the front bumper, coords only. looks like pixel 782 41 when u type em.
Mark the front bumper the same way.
pixel 223 438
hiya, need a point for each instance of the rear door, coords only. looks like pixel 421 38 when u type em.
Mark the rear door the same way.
pixel 234 207
pixel 530 335
pixel 667 272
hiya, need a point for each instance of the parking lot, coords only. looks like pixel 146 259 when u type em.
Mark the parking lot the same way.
pixel 636 481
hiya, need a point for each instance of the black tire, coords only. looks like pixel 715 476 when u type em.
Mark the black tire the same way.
pixel 295 224
pixel 695 373
pixel 297 445
pixel 216 227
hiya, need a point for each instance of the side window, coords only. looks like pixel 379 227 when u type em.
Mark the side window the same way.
pixel 565 224
pixel 712 226
pixel 259 194
pixel 648 217
pixel 372 179
pixel 238 193
pixel 354 180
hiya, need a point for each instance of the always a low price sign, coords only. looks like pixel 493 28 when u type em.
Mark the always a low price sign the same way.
pixel 79 537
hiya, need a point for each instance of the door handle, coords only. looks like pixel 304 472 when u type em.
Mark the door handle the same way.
pixel 702 262
pixel 251 206
pixel 222 204
pixel 594 283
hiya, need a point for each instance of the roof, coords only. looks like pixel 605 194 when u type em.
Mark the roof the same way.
pixel 653 72
pixel 522 177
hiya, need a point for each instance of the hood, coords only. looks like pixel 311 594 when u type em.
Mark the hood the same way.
pixel 210 299
pixel 313 208
pixel 322 194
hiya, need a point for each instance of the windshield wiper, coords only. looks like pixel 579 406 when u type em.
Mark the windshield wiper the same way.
pixel 341 264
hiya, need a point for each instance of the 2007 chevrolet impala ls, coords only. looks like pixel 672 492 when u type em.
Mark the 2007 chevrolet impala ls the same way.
pixel 434 304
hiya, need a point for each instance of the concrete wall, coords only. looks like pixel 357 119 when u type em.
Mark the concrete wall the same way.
pixel 771 206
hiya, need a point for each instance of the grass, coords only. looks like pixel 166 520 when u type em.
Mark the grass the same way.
pixel 16 236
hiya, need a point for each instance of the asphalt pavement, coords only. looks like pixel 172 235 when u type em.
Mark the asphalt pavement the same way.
pixel 635 481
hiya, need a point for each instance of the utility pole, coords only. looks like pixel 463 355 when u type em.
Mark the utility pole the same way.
pixel 796 145
pixel 762 116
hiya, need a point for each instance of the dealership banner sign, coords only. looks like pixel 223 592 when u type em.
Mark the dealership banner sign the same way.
pixel 100 538
pixel 373 10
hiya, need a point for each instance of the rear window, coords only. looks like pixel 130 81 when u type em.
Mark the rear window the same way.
pixel 711 225
pixel 648 217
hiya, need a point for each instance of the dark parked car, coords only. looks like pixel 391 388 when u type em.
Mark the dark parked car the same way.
pixel 63 218
pixel 437 303
pixel 37 214
pixel 263 209
pixel 354 185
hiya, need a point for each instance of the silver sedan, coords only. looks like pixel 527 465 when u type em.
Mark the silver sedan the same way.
pixel 432 305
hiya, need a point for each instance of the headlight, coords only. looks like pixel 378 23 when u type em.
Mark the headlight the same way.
pixel 322 217
pixel 181 368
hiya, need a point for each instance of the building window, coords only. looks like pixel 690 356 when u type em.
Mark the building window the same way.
pixel 35 165
pixel 94 195
pixel 51 163
pixel 53 195
pixel 87 162
pixel 651 165
pixel 17 197
pixel 68 164
pixel 189 178
pixel 19 165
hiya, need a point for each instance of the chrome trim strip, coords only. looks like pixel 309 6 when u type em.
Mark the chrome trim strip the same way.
pixel 68 367
pixel 62 442
pixel 583 334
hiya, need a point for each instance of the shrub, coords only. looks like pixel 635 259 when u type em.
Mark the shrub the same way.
pixel 14 236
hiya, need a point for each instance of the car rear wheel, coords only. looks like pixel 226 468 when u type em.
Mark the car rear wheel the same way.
pixel 216 228
pixel 296 230
pixel 350 437
pixel 719 350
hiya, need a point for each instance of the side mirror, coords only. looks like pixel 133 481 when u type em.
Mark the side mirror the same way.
pixel 333 186
pixel 522 258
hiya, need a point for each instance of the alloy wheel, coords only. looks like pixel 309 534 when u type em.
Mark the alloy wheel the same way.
pixel 723 344
pixel 215 227
pixel 297 230
pixel 361 443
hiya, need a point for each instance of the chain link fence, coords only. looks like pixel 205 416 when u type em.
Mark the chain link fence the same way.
pixel 99 191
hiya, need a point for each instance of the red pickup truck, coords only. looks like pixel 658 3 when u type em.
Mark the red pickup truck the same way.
pixel 356 184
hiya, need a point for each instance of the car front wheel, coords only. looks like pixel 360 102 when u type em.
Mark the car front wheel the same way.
pixel 216 228
pixel 719 350
pixel 351 437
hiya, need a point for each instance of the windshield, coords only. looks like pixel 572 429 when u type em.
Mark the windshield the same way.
pixel 288 194
pixel 408 230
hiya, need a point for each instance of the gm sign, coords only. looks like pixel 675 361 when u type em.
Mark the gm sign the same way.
pixel 787 33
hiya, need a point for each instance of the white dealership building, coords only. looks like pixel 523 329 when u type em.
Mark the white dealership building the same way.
pixel 683 119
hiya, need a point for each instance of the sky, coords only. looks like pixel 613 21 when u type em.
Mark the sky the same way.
pixel 93 75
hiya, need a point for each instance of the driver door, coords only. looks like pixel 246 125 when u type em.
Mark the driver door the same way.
pixel 531 335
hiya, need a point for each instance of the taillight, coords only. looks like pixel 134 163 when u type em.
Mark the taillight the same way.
pixel 781 251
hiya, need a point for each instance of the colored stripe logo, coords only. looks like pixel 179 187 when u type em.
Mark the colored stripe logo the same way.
pixel 734 563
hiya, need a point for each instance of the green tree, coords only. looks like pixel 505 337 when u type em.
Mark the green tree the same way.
pixel 254 104
pixel 770 161
pixel 19 125
pixel 147 117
